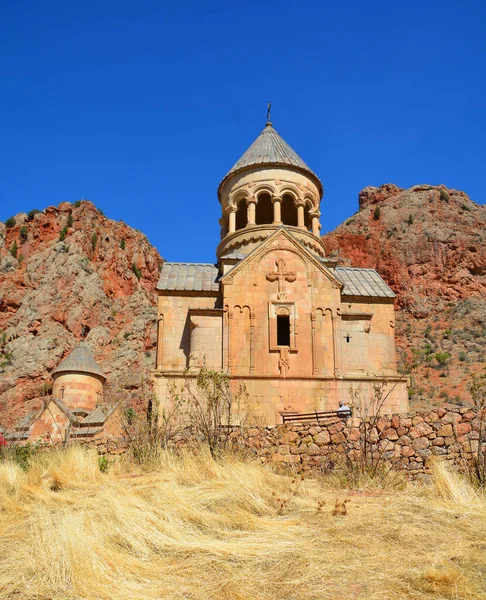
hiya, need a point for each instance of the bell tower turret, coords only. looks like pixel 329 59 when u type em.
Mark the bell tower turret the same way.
pixel 269 187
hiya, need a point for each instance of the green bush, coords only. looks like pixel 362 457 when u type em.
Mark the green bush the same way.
pixel 24 234
pixel 103 464
pixel 442 358
pixel 63 233
pixel 410 219
pixel 136 271
pixel 123 244
pixel 10 222
pixel 377 213
pixel 94 241
pixel 31 214
pixel 444 196
pixel 69 220
pixel 463 357
pixel 465 207
pixel 77 204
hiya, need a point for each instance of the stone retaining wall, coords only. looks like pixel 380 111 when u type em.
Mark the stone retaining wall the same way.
pixel 407 441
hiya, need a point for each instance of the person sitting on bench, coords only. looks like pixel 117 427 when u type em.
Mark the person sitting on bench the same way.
pixel 344 409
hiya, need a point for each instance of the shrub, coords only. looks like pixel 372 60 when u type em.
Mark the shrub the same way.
pixel 94 241
pixel 77 204
pixel 463 357
pixel 442 358
pixel 103 464
pixel 465 207
pixel 63 233
pixel 123 244
pixel 24 234
pixel 31 214
pixel 410 219
pixel 377 213
pixel 444 196
pixel 349 221
pixel 69 220
pixel 10 222
pixel 14 249
pixel 136 271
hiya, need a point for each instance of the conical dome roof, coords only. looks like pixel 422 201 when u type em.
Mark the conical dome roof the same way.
pixel 270 149
pixel 80 360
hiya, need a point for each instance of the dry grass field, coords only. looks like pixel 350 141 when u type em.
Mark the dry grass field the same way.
pixel 190 528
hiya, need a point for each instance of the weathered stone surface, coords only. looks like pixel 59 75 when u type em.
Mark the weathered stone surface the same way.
pixel 445 431
pixel 322 438
pixel 420 443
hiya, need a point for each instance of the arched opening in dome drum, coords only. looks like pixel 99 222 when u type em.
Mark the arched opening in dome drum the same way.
pixel 289 211
pixel 264 210
pixel 241 215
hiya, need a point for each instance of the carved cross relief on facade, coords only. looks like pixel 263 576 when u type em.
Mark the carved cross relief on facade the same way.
pixel 281 277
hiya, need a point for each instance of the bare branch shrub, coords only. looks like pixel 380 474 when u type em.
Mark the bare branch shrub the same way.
pixel 474 452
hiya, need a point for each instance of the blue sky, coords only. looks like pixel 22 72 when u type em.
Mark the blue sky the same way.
pixel 142 107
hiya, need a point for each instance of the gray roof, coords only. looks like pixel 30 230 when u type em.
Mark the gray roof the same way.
pixel 189 277
pixel 97 417
pixel 270 149
pixel 80 360
pixel 362 282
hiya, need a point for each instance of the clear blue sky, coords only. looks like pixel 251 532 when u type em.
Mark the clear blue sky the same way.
pixel 142 107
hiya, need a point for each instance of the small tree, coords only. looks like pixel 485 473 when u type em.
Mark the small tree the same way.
pixel 24 234
pixel 10 222
pixel 94 241
pixel 475 463
pixel 214 409
pixel 377 213
pixel 31 214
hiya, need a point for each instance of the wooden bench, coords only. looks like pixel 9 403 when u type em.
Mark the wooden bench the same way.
pixel 315 416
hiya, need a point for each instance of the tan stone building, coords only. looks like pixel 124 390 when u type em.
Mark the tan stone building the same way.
pixel 75 410
pixel 274 312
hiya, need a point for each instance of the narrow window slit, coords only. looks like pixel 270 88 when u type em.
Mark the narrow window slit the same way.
pixel 283 330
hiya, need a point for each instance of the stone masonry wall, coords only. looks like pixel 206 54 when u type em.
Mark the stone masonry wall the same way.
pixel 408 441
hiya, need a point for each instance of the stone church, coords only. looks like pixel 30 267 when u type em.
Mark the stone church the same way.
pixel 299 331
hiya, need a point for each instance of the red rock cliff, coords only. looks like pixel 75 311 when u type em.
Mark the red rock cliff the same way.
pixel 428 243
pixel 68 272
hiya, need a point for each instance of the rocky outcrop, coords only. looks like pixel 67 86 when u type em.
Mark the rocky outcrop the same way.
pixel 428 243
pixel 66 273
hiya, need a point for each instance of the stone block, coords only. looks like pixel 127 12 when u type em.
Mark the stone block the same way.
pixel 420 443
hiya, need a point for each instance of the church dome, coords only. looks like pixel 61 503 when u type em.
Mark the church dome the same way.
pixel 270 149
pixel 79 361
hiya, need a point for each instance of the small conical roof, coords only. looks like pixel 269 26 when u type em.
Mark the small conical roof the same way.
pixel 270 149
pixel 80 360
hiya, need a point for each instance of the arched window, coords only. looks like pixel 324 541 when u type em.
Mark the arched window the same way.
pixel 264 210
pixel 241 215
pixel 289 211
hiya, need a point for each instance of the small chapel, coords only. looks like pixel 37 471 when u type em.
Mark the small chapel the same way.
pixel 274 312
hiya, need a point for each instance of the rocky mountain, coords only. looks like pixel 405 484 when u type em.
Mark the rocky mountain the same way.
pixel 429 244
pixel 69 272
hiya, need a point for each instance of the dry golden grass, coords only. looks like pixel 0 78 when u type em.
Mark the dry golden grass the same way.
pixel 195 529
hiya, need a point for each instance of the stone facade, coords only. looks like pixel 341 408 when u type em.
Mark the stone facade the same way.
pixel 300 332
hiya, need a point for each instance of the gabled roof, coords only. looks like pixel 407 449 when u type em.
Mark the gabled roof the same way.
pixel 270 149
pixel 81 361
pixel 283 231
pixel 201 277
pixel 362 282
